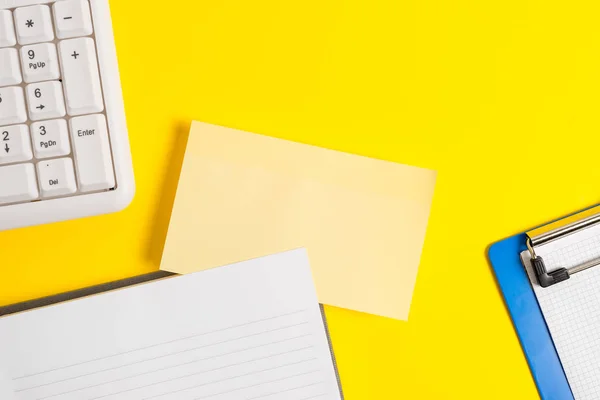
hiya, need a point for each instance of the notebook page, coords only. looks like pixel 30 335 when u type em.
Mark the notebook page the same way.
pixel 572 309
pixel 251 330
pixel 6 389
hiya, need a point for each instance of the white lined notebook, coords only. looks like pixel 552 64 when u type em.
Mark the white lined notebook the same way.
pixel 252 330
pixel 572 308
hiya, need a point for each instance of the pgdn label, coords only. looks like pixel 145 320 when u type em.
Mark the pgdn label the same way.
pixel 47 144
pixel 39 64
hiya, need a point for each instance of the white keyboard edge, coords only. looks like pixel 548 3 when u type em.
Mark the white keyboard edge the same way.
pixel 47 211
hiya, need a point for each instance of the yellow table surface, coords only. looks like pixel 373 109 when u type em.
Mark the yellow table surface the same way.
pixel 500 97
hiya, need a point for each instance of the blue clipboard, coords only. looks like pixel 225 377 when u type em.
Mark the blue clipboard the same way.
pixel 528 320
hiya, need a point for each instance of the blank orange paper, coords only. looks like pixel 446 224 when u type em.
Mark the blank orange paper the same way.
pixel 362 220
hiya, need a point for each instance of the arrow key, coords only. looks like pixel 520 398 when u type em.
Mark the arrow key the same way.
pixel 12 106
pixel 15 145
pixel 46 100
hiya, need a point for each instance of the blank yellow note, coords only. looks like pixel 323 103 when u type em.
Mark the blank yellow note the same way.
pixel 362 220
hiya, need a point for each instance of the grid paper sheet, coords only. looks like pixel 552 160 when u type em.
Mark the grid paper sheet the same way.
pixel 572 309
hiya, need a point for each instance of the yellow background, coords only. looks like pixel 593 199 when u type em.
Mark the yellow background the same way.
pixel 501 97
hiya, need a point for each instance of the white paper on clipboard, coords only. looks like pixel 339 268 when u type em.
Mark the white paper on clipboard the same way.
pixel 572 308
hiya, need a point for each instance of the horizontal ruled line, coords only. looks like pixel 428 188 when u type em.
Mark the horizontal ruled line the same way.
pixel 159 344
pixel 262 396
pixel 180 365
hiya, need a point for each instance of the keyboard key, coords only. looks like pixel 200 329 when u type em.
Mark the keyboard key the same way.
pixel 56 177
pixel 40 62
pixel 45 100
pixel 18 183
pixel 7 29
pixel 12 106
pixel 72 18
pixel 80 76
pixel 50 138
pixel 91 147
pixel 10 71
pixel 15 145
pixel 34 24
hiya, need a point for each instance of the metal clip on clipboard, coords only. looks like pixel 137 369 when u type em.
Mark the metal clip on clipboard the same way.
pixel 557 230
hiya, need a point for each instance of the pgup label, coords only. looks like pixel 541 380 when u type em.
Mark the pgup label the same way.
pixel 36 65
pixel 47 144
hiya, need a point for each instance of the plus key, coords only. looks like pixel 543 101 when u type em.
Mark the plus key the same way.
pixel 81 78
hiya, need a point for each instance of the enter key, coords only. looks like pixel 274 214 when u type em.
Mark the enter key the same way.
pixel 93 162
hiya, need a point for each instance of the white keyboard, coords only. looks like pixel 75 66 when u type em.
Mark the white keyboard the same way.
pixel 64 151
